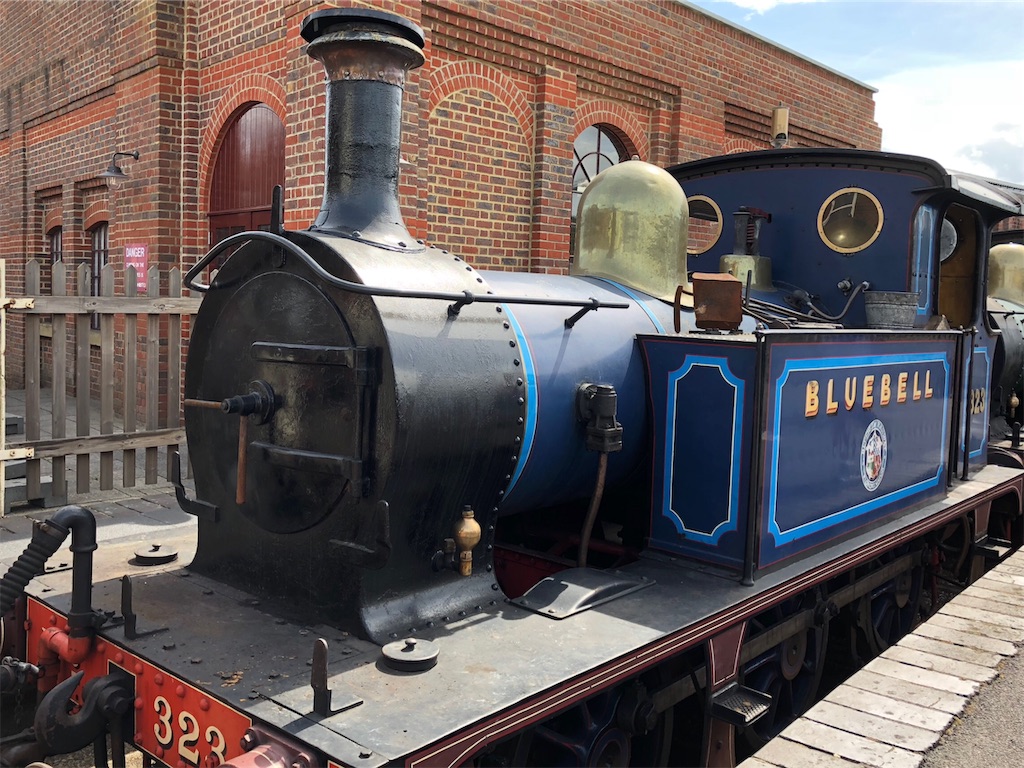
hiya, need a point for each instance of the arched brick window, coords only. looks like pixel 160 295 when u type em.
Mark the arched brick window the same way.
pixel 250 162
pixel 55 244
pixel 595 149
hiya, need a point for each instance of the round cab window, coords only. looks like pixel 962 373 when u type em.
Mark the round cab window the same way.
pixel 850 220
pixel 705 224
pixel 947 239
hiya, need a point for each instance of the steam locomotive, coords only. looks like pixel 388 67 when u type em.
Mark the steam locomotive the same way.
pixel 616 517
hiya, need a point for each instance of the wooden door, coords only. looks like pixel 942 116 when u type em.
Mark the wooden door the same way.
pixel 250 162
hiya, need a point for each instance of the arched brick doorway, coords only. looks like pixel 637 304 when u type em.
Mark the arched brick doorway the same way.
pixel 250 162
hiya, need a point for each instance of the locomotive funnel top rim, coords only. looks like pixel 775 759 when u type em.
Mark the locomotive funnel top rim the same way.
pixel 320 23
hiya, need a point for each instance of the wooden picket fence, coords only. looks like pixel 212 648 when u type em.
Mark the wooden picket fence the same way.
pixel 120 423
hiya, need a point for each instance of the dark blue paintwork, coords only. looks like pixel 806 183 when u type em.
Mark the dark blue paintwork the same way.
pixel 702 400
pixel 976 403
pixel 554 465
pixel 817 478
pixel 799 257
pixel 824 474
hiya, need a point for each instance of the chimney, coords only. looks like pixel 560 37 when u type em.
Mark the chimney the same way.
pixel 366 55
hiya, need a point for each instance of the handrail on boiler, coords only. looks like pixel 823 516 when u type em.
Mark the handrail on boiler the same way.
pixel 460 299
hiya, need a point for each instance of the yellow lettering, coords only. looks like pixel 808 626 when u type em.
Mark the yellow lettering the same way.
pixel 875 389
pixel 811 399
pixel 869 390
pixel 850 392
pixel 977 401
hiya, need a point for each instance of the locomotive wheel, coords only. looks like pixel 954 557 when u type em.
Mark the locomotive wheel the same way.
pixel 948 565
pixel 585 735
pixel 885 615
pixel 790 673
pixel 954 542
pixel 591 734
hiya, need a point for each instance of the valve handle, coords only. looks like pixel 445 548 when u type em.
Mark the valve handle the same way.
pixel 259 401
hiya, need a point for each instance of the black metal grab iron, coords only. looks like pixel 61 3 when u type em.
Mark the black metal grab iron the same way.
pixel 460 299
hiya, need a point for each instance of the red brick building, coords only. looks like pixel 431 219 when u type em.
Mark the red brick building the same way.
pixel 210 93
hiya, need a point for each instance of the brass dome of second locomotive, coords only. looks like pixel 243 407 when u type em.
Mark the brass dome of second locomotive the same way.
pixel 632 228
pixel 1006 272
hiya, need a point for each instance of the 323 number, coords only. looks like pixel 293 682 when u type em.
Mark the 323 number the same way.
pixel 977 401
pixel 190 733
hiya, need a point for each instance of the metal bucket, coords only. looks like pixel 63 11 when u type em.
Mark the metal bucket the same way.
pixel 890 309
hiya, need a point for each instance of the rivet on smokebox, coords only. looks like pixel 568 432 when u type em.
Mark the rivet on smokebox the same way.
pixel 154 554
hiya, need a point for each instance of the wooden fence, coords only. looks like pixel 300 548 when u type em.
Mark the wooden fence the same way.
pixel 117 421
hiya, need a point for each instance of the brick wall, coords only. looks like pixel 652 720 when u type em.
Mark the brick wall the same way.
pixel 488 127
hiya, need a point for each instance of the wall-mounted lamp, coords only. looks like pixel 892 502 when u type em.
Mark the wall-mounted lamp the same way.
pixel 780 127
pixel 114 175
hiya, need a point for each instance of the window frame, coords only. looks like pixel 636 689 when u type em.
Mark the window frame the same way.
pixel 55 244
pixel 99 255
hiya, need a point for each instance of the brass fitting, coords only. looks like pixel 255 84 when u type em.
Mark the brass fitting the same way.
pixel 467 535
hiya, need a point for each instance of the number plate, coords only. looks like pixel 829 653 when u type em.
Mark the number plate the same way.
pixel 175 722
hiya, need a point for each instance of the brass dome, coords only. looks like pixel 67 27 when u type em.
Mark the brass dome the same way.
pixel 631 227
pixel 1006 272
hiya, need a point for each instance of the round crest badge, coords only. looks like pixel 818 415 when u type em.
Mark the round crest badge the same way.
pixel 873 454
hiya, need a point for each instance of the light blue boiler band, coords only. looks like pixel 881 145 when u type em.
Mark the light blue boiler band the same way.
pixel 640 302
pixel 530 380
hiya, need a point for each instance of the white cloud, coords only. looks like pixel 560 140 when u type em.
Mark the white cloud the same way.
pixel 763 6
pixel 967 117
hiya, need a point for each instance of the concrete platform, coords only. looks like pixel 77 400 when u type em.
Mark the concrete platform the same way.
pixel 925 701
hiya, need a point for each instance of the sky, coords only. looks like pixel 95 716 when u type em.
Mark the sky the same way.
pixel 949 73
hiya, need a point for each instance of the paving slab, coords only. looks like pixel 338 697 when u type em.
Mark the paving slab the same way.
pixel 1007 577
pixel 987 616
pixel 929 678
pixel 791 754
pixel 851 746
pixel 989 606
pixel 891 708
pixel 986 582
pixel 881 729
pixel 943 664
pixel 951 650
pixel 983 590
pixel 966 639
pixel 908 691
pixel 975 627
pixel 1009 566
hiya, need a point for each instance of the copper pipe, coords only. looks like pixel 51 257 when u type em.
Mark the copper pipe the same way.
pixel 595 502
pixel 243 440
pixel 212 404
pixel 215 404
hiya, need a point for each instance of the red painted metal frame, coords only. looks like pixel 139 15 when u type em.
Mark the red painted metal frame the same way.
pixel 173 721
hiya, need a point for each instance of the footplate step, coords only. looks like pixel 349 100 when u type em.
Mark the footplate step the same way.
pixel 738 705
pixel 994 549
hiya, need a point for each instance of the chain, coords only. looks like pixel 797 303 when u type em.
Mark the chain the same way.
pixel 19 702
